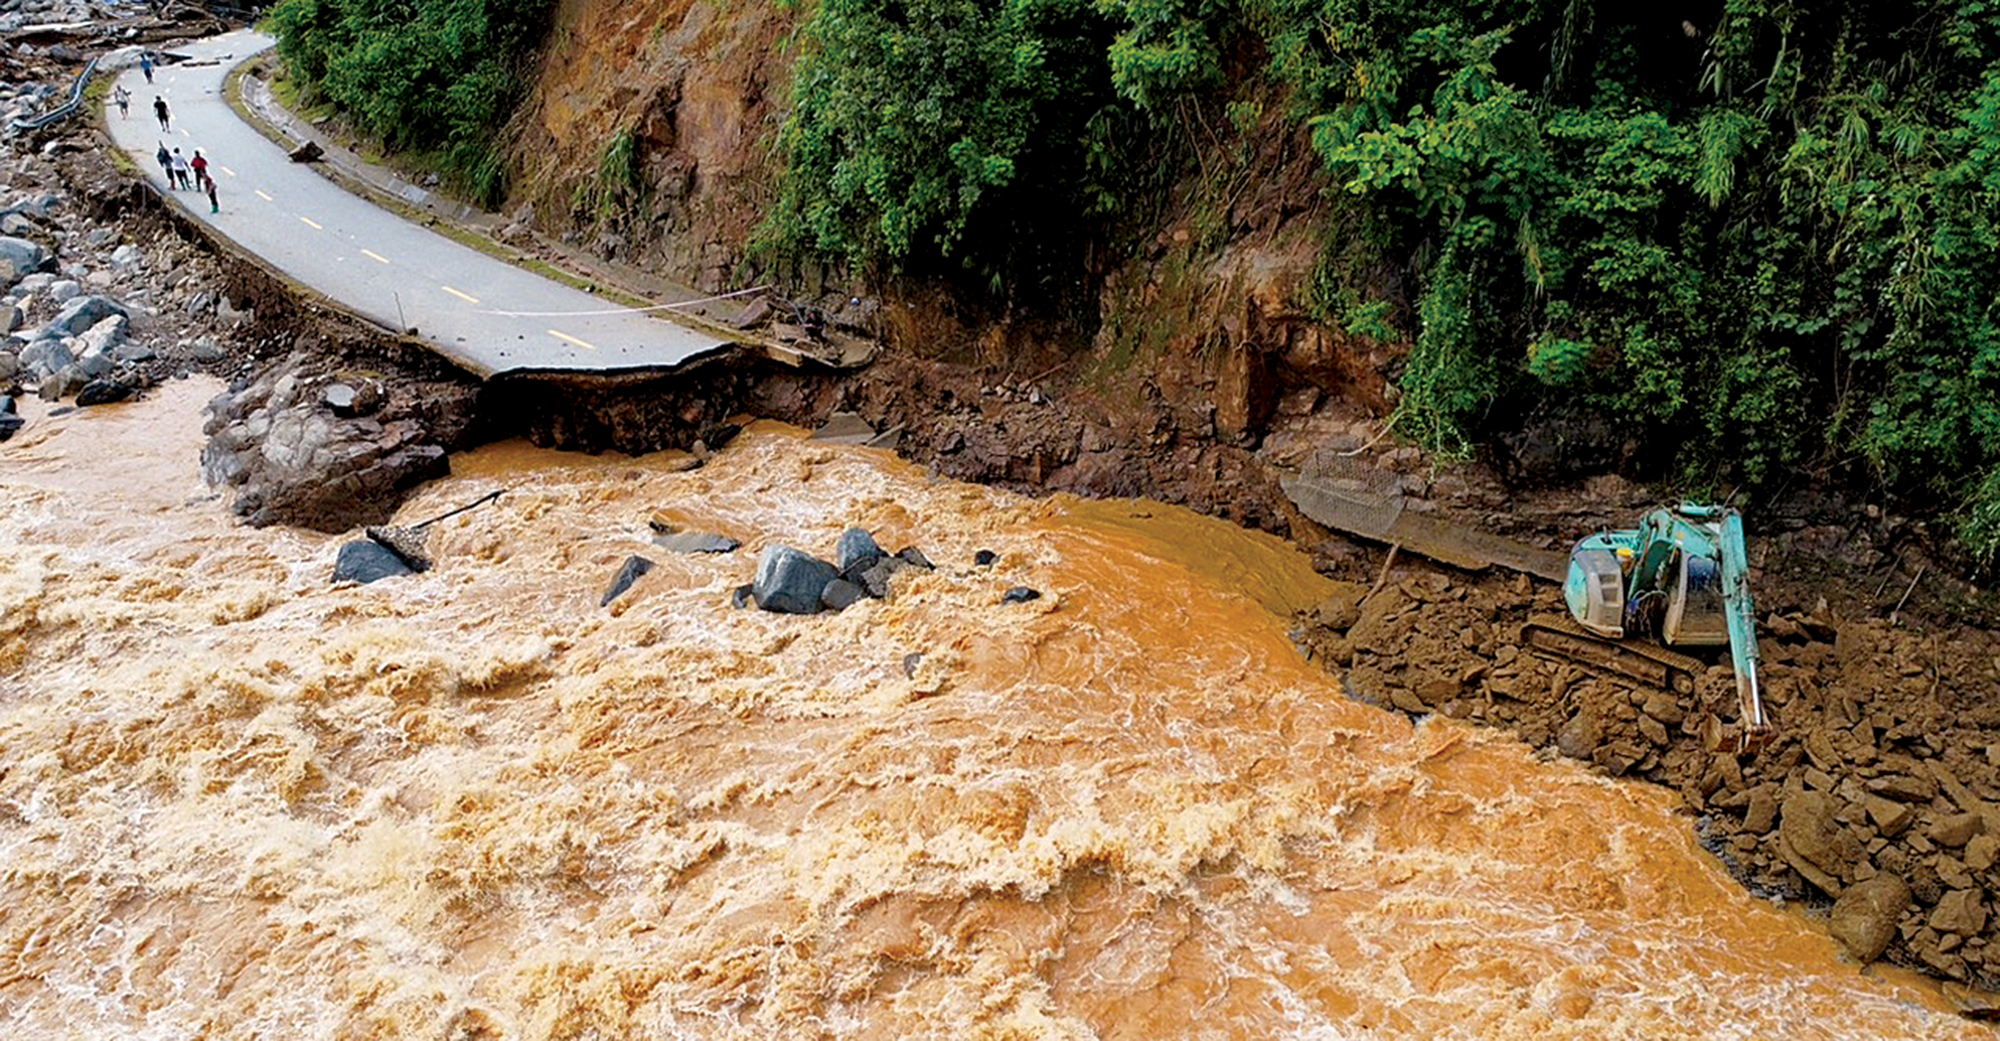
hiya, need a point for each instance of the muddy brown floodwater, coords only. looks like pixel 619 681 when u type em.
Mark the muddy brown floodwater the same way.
pixel 237 803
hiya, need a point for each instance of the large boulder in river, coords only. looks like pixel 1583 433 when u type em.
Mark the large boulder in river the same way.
pixel 695 542
pixel 790 581
pixel 635 566
pixel 856 550
pixel 365 561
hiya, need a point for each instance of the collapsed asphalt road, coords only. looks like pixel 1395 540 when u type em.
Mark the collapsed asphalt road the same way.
pixel 486 315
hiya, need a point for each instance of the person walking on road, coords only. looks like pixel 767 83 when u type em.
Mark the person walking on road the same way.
pixel 160 110
pixel 146 64
pixel 200 166
pixel 166 164
pixel 182 176
pixel 209 183
pixel 124 99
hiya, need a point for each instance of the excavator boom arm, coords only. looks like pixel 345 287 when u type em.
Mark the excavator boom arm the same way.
pixel 1741 613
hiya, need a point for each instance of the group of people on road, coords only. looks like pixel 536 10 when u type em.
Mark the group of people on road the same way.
pixel 182 174
pixel 188 174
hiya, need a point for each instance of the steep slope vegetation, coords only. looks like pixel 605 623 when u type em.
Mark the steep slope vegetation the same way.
pixel 1725 247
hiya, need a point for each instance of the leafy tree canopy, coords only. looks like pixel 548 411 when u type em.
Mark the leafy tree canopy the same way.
pixel 425 74
pixel 1756 234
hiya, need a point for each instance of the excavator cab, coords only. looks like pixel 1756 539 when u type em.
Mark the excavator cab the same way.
pixel 1595 588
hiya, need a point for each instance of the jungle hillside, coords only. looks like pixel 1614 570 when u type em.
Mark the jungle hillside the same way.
pixel 1758 239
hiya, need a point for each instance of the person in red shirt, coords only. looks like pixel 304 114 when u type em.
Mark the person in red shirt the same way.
pixel 200 168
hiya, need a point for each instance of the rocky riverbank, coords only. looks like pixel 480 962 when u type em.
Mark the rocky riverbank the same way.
pixel 106 290
pixel 99 307
pixel 1877 804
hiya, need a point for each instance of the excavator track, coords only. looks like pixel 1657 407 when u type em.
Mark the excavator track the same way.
pixel 1559 637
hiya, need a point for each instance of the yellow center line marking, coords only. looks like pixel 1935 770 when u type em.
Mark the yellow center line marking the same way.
pixel 261 195
pixel 227 170
pixel 467 297
pixel 372 255
pixel 572 339
pixel 310 223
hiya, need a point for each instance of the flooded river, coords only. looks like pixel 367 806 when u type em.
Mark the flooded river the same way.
pixel 238 803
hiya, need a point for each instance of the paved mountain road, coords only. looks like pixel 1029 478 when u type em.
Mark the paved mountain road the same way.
pixel 486 315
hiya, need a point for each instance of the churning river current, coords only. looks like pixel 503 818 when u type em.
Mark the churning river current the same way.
pixel 237 802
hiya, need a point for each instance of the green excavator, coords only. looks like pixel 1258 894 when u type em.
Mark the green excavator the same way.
pixel 1680 579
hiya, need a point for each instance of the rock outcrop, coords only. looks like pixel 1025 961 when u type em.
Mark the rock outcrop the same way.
pixel 365 561
pixel 292 459
pixel 633 569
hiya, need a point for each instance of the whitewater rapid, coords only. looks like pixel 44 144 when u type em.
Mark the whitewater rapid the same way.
pixel 237 802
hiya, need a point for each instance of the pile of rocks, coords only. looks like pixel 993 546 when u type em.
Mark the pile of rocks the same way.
pixel 1879 800
pixel 83 346
pixel 105 317
pixel 23 100
pixel 792 581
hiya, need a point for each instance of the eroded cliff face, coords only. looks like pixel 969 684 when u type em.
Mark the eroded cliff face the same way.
pixel 1200 332
pixel 699 87
pixel 1212 316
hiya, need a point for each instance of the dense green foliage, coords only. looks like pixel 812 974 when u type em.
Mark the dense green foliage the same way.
pixel 1755 238
pixel 961 130
pixel 433 75
pixel 1754 234
pixel 1765 239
